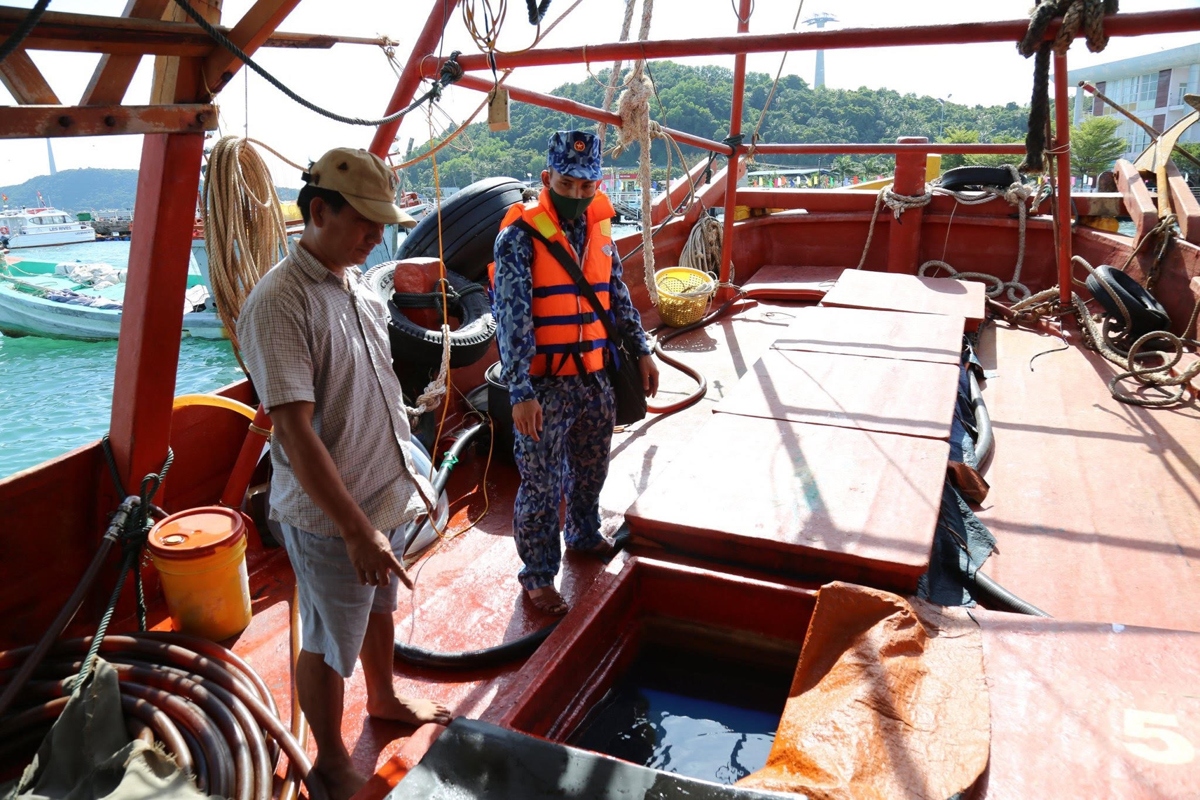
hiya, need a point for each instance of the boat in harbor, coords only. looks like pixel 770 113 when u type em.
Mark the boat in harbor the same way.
pixel 918 522
pixel 41 227
pixel 80 301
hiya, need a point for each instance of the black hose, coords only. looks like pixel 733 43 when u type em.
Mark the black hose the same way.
pixel 442 477
pixel 983 422
pixel 1006 600
pixel 474 659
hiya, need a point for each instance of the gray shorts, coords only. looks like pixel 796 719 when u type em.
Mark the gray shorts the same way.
pixel 334 606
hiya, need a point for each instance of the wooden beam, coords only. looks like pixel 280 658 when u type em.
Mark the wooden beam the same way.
pixel 151 326
pixel 251 31
pixel 22 77
pixel 177 79
pixel 113 74
pixel 95 33
pixel 24 122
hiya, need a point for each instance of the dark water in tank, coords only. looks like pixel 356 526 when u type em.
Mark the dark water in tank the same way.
pixel 688 714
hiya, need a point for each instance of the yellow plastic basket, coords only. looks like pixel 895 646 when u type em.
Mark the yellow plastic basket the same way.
pixel 683 294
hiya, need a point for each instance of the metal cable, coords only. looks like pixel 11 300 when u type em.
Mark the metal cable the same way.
pixel 451 72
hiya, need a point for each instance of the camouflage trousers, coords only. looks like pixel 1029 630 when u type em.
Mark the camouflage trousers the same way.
pixel 571 460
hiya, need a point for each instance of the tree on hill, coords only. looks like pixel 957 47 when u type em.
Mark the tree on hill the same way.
pixel 1095 145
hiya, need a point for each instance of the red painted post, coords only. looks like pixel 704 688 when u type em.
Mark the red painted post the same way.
pixel 1062 146
pixel 735 128
pixel 904 236
pixel 410 77
pixel 151 327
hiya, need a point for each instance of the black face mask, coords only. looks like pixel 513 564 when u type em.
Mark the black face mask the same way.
pixel 569 208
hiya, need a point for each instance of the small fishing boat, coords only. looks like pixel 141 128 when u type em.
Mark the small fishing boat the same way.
pixel 920 520
pixel 40 227
pixel 84 301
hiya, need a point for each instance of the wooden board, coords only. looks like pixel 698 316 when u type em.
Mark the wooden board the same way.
pixel 881 334
pixel 1115 709
pixel 915 398
pixel 812 501
pixel 890 291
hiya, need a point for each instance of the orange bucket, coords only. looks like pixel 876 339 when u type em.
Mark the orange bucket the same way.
pixel 200 555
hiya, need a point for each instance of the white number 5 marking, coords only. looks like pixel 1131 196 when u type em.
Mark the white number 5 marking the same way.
pixel 1170 747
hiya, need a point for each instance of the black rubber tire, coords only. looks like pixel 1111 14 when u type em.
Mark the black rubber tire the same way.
pixel 1146 313
pixel 470 221
pixel 414 344
pixel 968 177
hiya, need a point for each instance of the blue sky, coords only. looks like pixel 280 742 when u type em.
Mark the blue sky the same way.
pixel 357 80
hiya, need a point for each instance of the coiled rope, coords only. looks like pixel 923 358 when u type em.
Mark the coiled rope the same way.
pixel 244 233
pixel 1104 337
pixel 1016 194
pixel 702 250
pixel 1085 15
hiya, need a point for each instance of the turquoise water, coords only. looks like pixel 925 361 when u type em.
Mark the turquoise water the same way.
pixel 56 395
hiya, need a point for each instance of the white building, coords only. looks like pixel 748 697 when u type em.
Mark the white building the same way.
pixel 1151 87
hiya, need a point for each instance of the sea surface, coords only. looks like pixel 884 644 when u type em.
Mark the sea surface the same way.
pixel 56 395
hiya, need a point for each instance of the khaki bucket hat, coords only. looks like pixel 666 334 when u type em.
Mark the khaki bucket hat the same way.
pixel 367 183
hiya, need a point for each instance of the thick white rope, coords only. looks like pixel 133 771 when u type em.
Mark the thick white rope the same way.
pixel 899 203
pixel 634 109
pixel 244 233
pixel 702 250
pixel 610 91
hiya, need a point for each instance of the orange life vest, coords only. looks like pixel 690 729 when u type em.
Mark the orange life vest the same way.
pixel 566 330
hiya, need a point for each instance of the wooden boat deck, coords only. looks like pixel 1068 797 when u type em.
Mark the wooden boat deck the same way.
pixel 1095 504
pixel 1113 558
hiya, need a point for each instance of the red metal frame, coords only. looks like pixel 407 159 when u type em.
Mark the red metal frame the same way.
pixel 410 78
pixel 582 110
pixel 1176 21
pixel 1062 199
pixel 745 8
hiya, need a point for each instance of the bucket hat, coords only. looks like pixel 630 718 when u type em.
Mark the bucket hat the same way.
pixel 367 183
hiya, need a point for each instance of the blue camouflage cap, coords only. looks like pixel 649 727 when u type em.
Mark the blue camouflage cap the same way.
pixel 575 153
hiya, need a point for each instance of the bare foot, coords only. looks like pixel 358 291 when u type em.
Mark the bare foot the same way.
pixel 341 781
pixel 409 710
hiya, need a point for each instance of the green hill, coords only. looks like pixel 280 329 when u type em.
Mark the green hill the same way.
pixel 99 191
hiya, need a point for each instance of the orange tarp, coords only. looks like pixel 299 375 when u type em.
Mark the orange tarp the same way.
pixel 888 701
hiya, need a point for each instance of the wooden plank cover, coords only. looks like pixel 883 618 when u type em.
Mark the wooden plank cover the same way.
pixel 891 291
pixel 812 501
pixel 881 334
pixel 1084 709
pixel 915 398
pixel 788 280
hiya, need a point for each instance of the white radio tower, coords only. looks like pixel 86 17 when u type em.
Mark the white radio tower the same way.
pixel 819 19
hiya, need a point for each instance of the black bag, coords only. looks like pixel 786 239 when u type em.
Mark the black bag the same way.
pixel 622 366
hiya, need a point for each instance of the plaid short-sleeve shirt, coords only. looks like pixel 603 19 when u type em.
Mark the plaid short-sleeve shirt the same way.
pixel 306 336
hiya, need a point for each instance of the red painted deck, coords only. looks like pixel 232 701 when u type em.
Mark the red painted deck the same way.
pixel 889 291
pixel 1089 710
pixel 1095 504
pixel 880 334
pixel 913 398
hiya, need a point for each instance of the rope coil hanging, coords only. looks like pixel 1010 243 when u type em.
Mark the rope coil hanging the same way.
pixel 244 232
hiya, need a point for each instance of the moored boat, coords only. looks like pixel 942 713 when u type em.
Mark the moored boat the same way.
pixel 817 458
pixel 40 227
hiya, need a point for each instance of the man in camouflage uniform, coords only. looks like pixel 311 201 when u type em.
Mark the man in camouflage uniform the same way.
pixel 552 363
